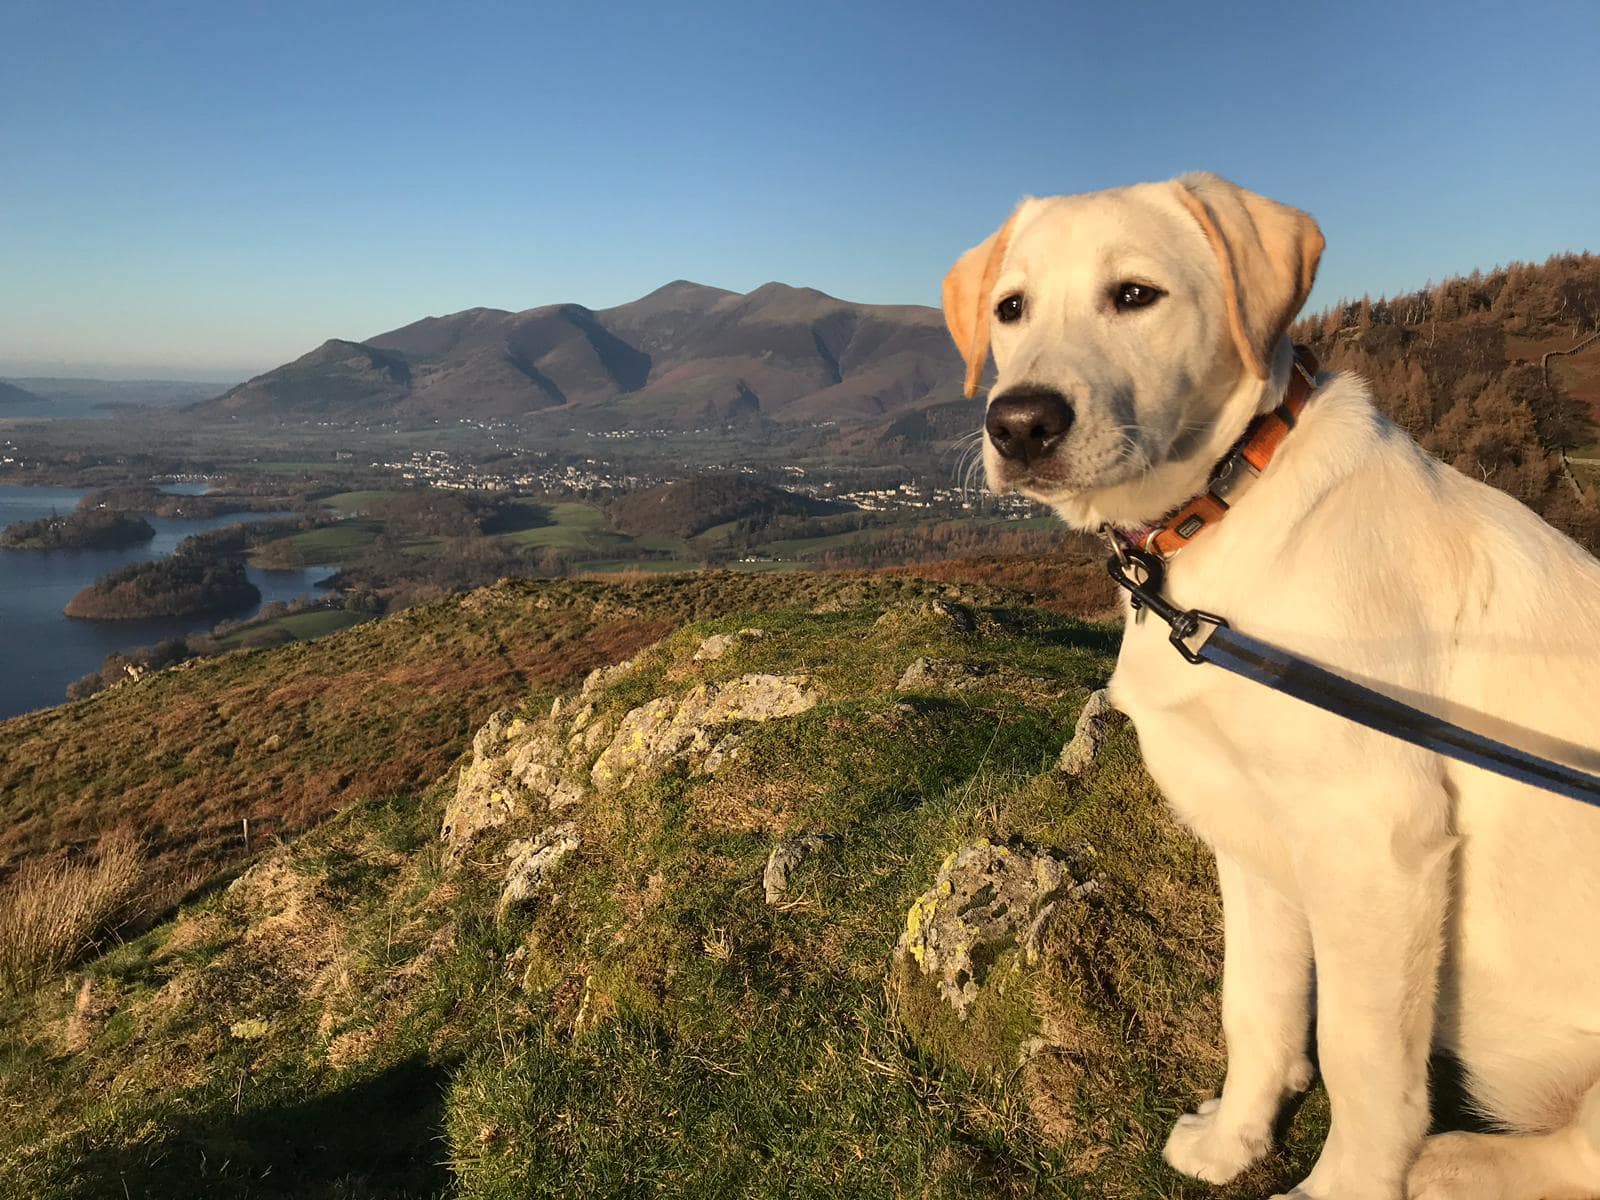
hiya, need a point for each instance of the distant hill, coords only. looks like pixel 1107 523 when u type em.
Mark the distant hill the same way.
pixel 72 398
pixel 691 506
pixel 11 395
pixel 684 355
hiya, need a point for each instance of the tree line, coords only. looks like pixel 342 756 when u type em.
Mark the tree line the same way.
pixel 1461 366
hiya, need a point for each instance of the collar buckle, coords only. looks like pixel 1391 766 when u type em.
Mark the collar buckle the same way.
pixel 1233 478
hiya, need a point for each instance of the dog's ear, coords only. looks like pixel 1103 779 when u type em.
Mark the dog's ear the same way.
pixel 966 300
pixel 1268 253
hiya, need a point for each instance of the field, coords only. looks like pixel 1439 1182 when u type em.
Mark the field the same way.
pixel 355 503
pixel 363 1014
pixel 583 534
pixel 330 546
pixel 566 525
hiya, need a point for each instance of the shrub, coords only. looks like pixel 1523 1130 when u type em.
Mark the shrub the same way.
pixel 55 910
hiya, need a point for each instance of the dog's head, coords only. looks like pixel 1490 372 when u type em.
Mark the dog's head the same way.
pixel 1135 332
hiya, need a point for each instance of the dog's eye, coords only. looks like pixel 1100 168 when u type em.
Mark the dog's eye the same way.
pixel 1009 310
pixel 1136 295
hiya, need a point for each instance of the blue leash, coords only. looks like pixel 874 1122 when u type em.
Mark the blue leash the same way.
pixel 1203 637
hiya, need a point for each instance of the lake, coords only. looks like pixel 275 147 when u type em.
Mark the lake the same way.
pixel 41 649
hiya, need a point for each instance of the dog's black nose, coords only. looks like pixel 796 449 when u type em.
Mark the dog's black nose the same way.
pixel 1028 423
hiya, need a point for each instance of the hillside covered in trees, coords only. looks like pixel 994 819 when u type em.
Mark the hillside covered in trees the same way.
pixel 1498 374
pixel 691 506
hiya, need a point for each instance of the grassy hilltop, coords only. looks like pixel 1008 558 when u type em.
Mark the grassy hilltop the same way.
pixel 590 986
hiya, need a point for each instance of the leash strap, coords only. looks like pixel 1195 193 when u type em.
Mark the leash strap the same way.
pixel 1206 638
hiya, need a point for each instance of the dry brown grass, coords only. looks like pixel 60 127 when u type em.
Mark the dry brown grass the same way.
pixel 55 910
pixel 290 736
pixel 1076 585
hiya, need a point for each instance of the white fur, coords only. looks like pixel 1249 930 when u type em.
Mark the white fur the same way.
pixel 1443 907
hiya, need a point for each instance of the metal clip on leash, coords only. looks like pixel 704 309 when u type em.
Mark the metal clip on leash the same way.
pixel 1140 573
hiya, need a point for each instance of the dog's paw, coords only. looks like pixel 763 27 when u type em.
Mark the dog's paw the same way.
pixel 1207 1148
pixel 1334 1179
pixel 1470 1166
pixel 1300 1077
pixel 1309 1191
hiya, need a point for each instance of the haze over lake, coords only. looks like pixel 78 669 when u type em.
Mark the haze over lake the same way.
pixel 41 649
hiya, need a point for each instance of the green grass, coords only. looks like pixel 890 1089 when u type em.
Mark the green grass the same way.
pixel 803 548
pixel 571 525
pixel 298 626
pixel 328 546
pixel 353 1021
pixel 349 503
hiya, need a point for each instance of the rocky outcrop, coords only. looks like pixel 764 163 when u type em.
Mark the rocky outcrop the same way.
pixel 987 900
pixel 520 765
pixel 1095 723
pixel 663 729
pixel 534 862
pixel 525 766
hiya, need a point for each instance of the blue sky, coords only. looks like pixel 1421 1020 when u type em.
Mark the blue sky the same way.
pixel 211 189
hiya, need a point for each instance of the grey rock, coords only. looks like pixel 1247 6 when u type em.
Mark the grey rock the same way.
pixel 957 616
pixel 714 647
pixel 949 617
pixel 722 753
pixel 1096 721
pixel 519 766
pixel 484 796
pixel 534 862
pixel 785 857
pixel 941 674
pixel 718 644
pixel 663 729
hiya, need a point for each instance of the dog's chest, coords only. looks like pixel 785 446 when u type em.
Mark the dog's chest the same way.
pixel 1200 734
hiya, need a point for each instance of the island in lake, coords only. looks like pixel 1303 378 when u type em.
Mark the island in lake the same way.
pixel 86 529
pixel 184 585
pixel 151 501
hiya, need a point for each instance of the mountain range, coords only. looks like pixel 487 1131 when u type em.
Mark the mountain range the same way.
pixel 682 356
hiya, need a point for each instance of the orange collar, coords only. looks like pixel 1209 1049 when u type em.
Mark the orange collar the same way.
pixel 1239 469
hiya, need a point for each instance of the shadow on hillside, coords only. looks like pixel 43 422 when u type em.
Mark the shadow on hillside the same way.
pixel 378 1137
pixel 1100 639
pixel 514 518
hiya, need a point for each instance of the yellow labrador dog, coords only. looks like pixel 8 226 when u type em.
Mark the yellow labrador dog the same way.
pixel 1419 903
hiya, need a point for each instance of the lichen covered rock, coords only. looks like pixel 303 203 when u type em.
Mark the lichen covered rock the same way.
pixel 662 729
pixel 987 900
pixel 941 616
pixel 524 766
pixel 484 797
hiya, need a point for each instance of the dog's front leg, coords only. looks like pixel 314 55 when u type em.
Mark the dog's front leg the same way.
pixel 1266 1015
pixel 1375 896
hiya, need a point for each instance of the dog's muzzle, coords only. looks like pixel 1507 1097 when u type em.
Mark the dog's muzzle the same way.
pixel 1026 424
